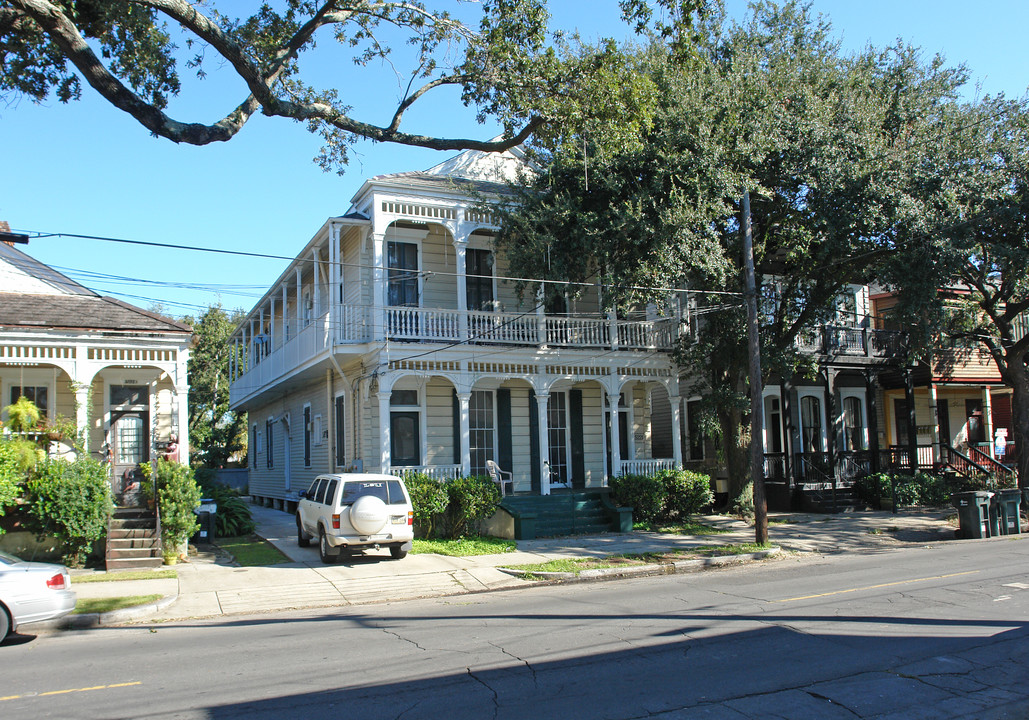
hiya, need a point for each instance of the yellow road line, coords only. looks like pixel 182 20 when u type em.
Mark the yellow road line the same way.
pixel 73 690
pixel 876 587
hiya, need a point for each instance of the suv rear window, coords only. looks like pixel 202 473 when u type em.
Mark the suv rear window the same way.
pixel 389 491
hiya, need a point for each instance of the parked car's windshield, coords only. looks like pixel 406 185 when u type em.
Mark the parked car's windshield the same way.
pixel 389 491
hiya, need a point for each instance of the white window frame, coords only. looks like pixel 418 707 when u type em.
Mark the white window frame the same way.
pixel 419 388
pixel 493 423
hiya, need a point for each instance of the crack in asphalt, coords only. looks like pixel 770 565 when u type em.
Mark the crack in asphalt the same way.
pixel 398 636
pixel 496 698
pixel 829 700
pixel 527 664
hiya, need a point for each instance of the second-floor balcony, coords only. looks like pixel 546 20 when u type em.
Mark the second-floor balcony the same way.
pixel 843 341
pixel 262 358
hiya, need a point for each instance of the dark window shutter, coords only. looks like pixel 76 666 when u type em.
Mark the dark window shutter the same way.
pixel 505 451
pixel 534 442
pixel 575 433
pixel 307 437
pixel 457 428
pixel 339 417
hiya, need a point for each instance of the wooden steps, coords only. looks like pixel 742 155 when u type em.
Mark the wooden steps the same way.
pixel 132 540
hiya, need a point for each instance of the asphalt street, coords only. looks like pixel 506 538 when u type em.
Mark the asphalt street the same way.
pixel 932 632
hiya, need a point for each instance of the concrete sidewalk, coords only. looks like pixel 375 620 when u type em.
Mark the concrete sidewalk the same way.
pixel 211 584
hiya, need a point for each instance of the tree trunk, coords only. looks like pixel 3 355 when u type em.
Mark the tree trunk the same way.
pixel 737 460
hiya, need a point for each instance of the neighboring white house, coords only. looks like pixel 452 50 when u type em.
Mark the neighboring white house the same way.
pixel 395 341
pixel 108 366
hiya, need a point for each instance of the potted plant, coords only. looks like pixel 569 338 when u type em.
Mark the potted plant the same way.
pixel 22 415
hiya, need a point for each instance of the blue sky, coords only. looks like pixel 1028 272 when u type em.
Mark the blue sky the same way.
pixel 88 169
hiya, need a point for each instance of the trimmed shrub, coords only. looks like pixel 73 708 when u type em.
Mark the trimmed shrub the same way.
pixel 70 501
pixel 429 499
pixel 12 472
pixel 645 494
pixel 472 498
pixel 686 493
pixel 178 496
pixel 922 489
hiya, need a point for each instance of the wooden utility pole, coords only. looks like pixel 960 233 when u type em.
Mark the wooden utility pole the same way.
pixel 757 464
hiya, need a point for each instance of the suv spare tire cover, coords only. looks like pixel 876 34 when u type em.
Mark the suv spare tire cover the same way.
pixel 368 514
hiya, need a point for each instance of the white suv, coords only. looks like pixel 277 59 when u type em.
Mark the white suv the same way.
pixel 355 511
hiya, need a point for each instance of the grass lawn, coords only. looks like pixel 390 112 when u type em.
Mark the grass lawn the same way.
pixel 102 605
pixel 464 546
pixel 684 528
pixel 162 574
pixel 251 550
pixel 576 565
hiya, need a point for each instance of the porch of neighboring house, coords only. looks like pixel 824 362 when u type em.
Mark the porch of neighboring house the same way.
pixel 122 406
pixel 938 428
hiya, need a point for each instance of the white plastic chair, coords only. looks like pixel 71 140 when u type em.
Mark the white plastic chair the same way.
pixel 499 476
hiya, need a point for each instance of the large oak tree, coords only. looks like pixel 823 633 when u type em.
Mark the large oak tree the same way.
pixel 772 106
pixel 505 65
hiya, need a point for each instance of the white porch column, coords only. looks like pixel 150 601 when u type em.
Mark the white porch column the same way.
pixel 988 420
pixel 463 399
pixel 384 440
pixel 675 403
pixel 182 421
pixel 272 325
pixel 335 296
pixel 934 423
pixel 542 406
pixel 613 400
pixel 378 286
pixel 82 400
pixel 460 250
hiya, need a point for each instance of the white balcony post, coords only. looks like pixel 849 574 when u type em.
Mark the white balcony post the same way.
pixel 541 318
pixel 934 423
pixel 316 293
pixel 335 299
pixel 542 405
pixel 378 286
pixel 463 399
pixel 384 426
pixel 460 249
pixel 285 321
pixel 674 401
pixel 613 400
pixel 612 320
pixel 271 324
pixel 300 300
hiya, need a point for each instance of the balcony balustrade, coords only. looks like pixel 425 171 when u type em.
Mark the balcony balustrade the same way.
pixel 355 324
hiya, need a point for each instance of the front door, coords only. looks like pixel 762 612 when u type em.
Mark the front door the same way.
pixel 405 441
pixel 129 448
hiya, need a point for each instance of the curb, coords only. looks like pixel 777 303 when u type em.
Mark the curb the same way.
pixel 672 568
pixel 114 617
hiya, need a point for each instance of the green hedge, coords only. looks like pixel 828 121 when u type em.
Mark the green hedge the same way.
pixel 70 501
pixel 921 489
pixel 178 496
pixel 451 508
pixel 668 495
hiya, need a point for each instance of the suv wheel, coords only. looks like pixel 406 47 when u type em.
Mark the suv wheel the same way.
pixel 327 553
pixel 303 540
pixel 397 552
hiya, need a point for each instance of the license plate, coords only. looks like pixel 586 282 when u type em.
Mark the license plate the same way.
pixel 398 519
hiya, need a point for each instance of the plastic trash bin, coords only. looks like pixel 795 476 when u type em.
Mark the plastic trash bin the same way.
pixel 973 513
pixel 206 514
pixel 994 513
pixel 1008 501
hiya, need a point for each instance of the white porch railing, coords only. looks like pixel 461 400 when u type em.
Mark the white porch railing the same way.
pixel 437 472
pixel 647 467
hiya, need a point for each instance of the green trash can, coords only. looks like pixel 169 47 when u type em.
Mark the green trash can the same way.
pixel 973 513
pixel 1008 500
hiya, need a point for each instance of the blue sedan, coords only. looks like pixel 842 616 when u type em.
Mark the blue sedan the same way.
pixel 32 592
